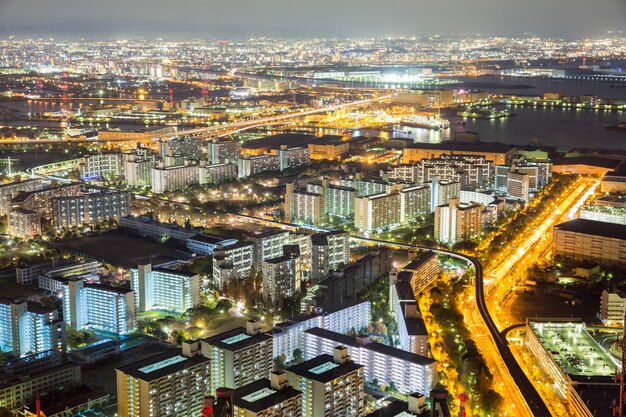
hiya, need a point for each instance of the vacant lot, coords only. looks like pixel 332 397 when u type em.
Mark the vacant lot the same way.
pixel 117 249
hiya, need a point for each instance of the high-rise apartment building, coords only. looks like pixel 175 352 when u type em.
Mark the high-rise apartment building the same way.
pixel 98 307
pixel 172 178
pixel 268 245
pixel 408 371
pixel 92 206
pixel 164 289
pixel 10 190
pixel 456 221
pixel 169 384
pixel 343 317
pixel 232 261
pixel 612 308
pixel 238 357
pixel 27 328
pixel 272 397
pixel 281 275
pixel 518 185
pixel 222 151
pixel 218 173
pixel 102 165
pixel 414 202
pixel 331 385
pixel 329 251
pixel 377 212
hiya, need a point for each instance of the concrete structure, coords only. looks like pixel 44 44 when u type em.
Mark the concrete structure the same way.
pixel 587 240
pixel 251 165
pixel 238 357
pixel 613 183
pixel 268 398
pixel 343 317
pixel 98 307
pixel 331 385
pixel 415 201
pixel 51 280
pixel 377 212
pixel 23 223
pixel 471 171
pixel 612 308
pixel 27 328
pixel 496 152
pixel 281 275
pixel 268 245
pixel 556 345
pixel 606 214
pixel 99 166
pixel 223 151
pixel 329 251
pixel 92 206
pixel 457 221
pixel 12 189
pixel 218 173
pixel 164 289
pixel 408 371
pixel 232 261
pixel 292 157
pixel 173 178
pixel 172 383
pixel 23 389
pixel 29 274
pixel 518 185
pixel 421 271
pixel 412 332
pixel 328 150
pixel 205 244
pixel 146 226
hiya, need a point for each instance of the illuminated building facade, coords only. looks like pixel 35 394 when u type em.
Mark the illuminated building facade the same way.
pixel 238 357
pixel 99 166
pixel 232 261
pixel 27 328
pixel 92 206
pixel 172 383
pixel 164 289
pixel 377 212
pixel 457 221
pixel 98 307
pixel 331 385
pixel 268 398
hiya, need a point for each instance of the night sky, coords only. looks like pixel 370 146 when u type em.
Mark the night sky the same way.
pixel 299 18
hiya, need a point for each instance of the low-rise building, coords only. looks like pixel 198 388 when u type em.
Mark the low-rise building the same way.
pixel 205 244
pixel 587 240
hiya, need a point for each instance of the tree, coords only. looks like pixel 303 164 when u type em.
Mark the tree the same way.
pixel 298 355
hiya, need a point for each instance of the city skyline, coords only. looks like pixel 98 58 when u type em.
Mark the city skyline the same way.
pixel 280 18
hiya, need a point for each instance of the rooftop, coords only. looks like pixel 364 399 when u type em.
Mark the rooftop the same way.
pixel 596 228
pixel 319 369
pixel 161 365
pixel 345 340
pixel 465 146
pixel 259 395
pixel 237 339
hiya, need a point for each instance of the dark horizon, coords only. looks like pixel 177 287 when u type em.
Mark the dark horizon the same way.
pixel 244 19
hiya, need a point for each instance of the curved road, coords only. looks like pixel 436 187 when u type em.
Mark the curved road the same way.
pixel 533 399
